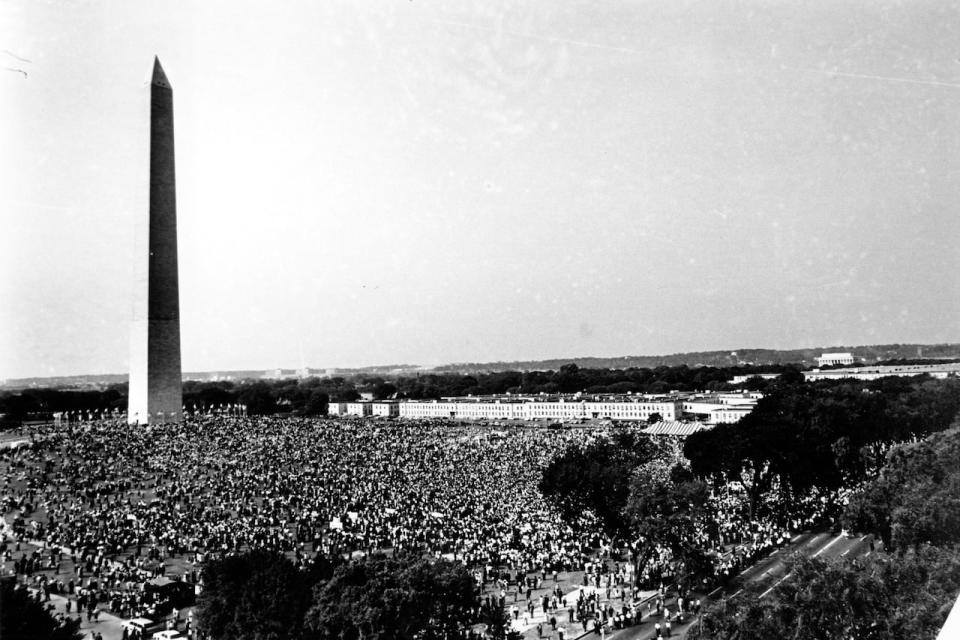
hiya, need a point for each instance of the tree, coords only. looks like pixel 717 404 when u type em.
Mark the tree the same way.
pixel 16 407
pixel 497 620
pixel 569 379
pixel 208 394
pixel 349 395
pixel 739 452
pixel 597 477
pixel 259 398
pixel 259 595
pixel 318 403
pixel 916 498
pixel 401 597
pixel 22 617
pixel 383 390
pixel 664 504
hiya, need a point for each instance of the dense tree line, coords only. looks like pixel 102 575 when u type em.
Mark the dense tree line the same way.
pixel 570 378
pixel 904 591
pixel 822 435
pixel 42 403
pixel 310 396
pixel 262 595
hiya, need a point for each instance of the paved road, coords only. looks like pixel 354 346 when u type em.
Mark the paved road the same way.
pixel 771 570
pixel 764 575
pixel 109 626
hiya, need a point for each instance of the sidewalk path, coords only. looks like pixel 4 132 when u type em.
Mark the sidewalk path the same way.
pixel 109 626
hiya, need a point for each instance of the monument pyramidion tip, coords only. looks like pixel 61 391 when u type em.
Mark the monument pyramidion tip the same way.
pixel 159 77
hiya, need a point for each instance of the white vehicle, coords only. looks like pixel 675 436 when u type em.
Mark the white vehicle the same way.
pixel 139 624
pixel 169 634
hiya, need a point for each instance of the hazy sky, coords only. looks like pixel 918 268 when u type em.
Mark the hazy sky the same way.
pixel 428 182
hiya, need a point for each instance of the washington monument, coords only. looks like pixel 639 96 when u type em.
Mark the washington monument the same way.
pixel 156 393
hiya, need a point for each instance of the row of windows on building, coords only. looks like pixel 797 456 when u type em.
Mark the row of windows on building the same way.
pixel 669 411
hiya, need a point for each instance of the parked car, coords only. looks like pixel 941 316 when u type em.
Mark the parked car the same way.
pixel 144 626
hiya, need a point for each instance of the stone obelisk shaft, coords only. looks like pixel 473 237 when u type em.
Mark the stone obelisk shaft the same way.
pixel 156 393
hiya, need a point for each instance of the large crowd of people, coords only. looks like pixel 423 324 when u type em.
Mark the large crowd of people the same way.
pixel 132 503
pixel 109 507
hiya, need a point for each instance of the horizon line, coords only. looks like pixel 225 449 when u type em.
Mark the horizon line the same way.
pixel 7 380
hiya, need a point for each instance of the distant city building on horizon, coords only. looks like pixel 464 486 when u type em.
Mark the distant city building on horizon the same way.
pixel 762 376
pixel 945 370
pixel 831 359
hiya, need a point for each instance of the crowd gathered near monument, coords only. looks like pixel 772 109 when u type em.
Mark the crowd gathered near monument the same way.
pixel 96 510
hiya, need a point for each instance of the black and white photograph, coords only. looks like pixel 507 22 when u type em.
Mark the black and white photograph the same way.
pixel 462 320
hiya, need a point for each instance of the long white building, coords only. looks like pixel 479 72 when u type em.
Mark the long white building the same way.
pixel 537 409
pixel 941 371
pixel 709 408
